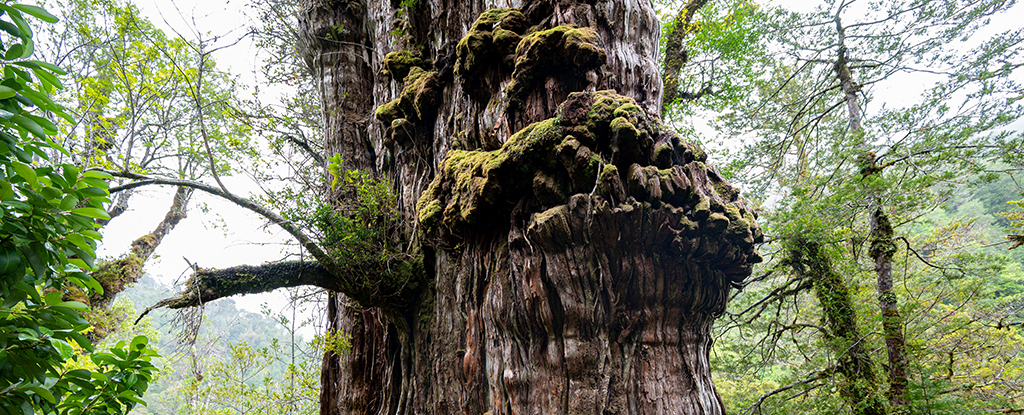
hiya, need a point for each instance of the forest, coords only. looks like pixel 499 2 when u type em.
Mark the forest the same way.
pixel 530 206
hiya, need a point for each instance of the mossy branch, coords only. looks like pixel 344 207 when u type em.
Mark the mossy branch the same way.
pixel 676 56
pixel 212 284
pixel 304 240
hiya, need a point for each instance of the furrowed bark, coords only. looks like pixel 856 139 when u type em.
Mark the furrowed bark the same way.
pixel 857 384
pixel 586 280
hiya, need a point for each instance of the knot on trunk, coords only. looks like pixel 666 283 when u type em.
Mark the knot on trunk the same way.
pixel 606 155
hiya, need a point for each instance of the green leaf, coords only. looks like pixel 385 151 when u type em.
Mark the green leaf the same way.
pixel 6 190
pixel 97 174
pixel 28 125
pixel 75 305
pixel 42 392
pixel 69 202
pixel 26 172
pixel 87 258
pixel 48 126
pixel 37 11
pixel 52 298
pixel 6 92
pixel 53 68
pixel 38 266
pixel 92 212
pixel 10 260
pixel 46 76
pixel 139 342
pixel 10 28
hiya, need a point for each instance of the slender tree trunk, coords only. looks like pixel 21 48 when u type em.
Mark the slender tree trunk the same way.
pixel 882 246
pixel 882 250
pixel 570 266
pixel 858 385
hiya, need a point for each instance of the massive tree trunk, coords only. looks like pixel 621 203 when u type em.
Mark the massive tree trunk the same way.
pixel 574 253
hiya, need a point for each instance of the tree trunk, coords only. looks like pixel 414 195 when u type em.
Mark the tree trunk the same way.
pixel 575 254
pixel 882 245
pixel 882 250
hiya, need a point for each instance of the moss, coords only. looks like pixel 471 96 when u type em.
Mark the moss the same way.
pixel 609 185
pixel 491 39
pixel 549 189
pixel 417 104
pixel 397 64
pixel 387 113
pixel 566 52
pixel 614 163
pixel 663 154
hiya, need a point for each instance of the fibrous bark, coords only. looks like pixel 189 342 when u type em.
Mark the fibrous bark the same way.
pixel 572 265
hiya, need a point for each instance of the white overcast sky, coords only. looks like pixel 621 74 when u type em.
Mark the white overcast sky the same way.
pixel 224 234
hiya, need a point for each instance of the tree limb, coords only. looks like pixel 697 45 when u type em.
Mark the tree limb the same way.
pixel 304 240
pixel 212 284
pixel 676 56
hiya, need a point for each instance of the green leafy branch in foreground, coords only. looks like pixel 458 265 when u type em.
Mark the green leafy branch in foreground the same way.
pixel 48 237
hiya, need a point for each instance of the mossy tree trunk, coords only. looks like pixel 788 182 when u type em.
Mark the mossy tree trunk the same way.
pixel 882 246
pixel 574 252
pixel 857 383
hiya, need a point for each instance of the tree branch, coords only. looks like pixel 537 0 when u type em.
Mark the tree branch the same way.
pixel 212 284
pixel 287 225
pixel 676 56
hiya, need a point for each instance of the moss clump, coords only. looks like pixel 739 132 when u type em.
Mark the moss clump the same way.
pixel 398 64
pixel 492 39
pixel 470 183
pixel 416 104
pixel 563 51
pixel 599 145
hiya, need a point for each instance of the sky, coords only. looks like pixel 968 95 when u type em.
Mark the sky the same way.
pixel 216 233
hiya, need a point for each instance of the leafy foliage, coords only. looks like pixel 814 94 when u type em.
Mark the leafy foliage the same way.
pixel 47 244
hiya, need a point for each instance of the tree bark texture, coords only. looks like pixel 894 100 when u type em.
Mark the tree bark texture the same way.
pixel 882 250
pixel 575 253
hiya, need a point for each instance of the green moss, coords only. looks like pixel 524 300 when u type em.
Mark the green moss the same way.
pixel 549 189
pixel 387 113
pixel 397 64
pixel 491 39
pixel 563 51
pixel 416 104
pixel 623 130
pixel 663 154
